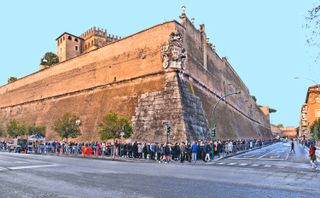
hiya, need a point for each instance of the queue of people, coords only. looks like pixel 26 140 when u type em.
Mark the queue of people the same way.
pixel 198 150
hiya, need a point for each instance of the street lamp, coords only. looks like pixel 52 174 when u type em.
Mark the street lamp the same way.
pixel 315 82
pixel 213 129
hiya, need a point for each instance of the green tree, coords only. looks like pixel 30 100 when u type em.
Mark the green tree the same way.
pixel 49 59
pixel 12 79
pixel 112 125
pixel 3 132
pixel 68 126
pixel 16 128
pixel 315 129
pixel 37 130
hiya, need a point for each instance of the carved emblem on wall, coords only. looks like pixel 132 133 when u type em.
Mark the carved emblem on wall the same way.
pixel 173 54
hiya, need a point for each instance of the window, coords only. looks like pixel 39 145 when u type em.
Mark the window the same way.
pixel 76 40
pixel 76 48
pixel 317 113
pixel 69 38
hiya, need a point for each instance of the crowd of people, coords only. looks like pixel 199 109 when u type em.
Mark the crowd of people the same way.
pixel 198 150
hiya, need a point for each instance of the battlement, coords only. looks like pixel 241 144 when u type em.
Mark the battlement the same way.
pixel 94 31
pixel 111 38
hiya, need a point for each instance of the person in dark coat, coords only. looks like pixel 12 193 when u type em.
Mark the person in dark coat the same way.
pixel 135 150
pixel 182 152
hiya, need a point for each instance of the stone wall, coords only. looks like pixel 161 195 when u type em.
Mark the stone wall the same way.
pixel 109 78
pixel 212 77
pixel 90 105
pixel 156 108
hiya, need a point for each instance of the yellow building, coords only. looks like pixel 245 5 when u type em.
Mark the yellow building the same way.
pixel 70 46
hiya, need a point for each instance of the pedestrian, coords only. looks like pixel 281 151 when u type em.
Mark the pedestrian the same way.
pixel 292 146
pixel 194 151
pixel 208 151
pixel 313 157
pixel 167 153
pixel 182 152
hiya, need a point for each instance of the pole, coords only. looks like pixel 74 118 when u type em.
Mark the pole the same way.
pixel 212 120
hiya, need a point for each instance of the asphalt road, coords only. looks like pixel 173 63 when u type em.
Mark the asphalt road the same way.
pixel 51 176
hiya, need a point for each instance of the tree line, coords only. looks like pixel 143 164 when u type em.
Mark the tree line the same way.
pixel 112 126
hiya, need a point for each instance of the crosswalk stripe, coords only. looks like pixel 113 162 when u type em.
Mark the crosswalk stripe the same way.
pixel 221 163
pixel 255 165
pixel 32 166
pixel 243 164
pixel 231 164
pixel 267 166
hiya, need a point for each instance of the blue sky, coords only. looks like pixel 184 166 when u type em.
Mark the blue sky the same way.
pixel 264 40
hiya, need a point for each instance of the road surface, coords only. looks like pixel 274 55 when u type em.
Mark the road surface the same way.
pixel 269 172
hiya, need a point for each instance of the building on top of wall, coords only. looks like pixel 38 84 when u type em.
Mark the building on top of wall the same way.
pixel 310 110
pixel 70 46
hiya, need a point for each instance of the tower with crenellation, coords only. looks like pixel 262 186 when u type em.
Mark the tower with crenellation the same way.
pixel 93 38
pixel 70 46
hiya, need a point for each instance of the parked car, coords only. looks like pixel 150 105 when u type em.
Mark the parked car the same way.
pixel 18 145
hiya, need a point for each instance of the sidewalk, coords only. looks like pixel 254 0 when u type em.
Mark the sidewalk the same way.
pixel 139 160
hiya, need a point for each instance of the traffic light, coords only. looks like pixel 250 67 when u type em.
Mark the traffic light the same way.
pixel 168 130
pixel 214 132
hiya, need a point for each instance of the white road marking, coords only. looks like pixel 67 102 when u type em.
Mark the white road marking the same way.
pixel 255 165
pixel 243 164
pixel 2 169
pixel 231 164
pixel 267 153
pixel 19 162
pixel 221 163
pixel 32 166
pixel 267 166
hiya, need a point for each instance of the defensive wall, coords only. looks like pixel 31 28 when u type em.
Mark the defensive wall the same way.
pixel 209 78
pixel 128 77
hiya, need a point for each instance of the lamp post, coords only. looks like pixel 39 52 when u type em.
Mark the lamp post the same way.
pixel 315 82
pixel 213 130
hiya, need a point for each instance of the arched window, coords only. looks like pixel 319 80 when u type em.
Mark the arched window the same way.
pixel 69 38
pixel 92 43
pixel 76 40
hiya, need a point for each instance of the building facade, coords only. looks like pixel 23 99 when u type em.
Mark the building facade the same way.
pixel 70 46
pixel 310 110
pixel 168 73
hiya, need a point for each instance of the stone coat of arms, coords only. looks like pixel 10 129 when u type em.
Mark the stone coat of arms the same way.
pixel 173 54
